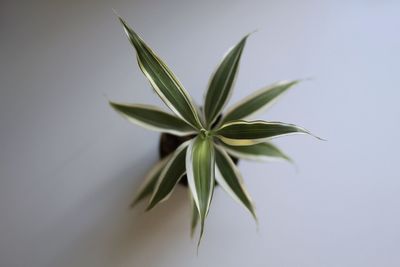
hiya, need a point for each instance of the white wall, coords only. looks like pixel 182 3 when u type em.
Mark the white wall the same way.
pixel 69 165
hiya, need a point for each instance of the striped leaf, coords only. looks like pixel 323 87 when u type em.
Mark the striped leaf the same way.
pixel 164 82
pixel 150 181
pixel 245 133
pixel 170 176
pixel 258 101
pixel 229 178
pixel 153 118
pixel 200 163
pixel 221 83
pixel 260 152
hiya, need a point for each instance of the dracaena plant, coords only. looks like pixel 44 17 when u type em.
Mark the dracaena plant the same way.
pixel 205 158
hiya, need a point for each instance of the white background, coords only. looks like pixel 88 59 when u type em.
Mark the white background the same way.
pixel 69 165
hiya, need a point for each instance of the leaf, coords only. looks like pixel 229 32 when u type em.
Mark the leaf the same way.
pixel 260 151
pixel 245 133
pixel 200 163
pixel 221 83
pixel 164 82
pixel 170 176
pixel 150 181
pixel 228 176
pixel 257 101
pixel 153 118
pixel 195 216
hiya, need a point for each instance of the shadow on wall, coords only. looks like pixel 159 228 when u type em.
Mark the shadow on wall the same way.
pixel 112 232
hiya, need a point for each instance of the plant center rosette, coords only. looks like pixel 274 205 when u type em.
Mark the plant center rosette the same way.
pixel 200 146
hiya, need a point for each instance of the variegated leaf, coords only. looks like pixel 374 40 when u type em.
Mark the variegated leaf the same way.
pixel 230 179
pixel 260 152
pixel 153 118
pixel 257 101
pixel 221 83
pixel 244 133
pixel 164 82
pixel 170 176
pixel 200 163
pixel 150 181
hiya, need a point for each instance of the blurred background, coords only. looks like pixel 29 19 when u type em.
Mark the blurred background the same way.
pixel 69 165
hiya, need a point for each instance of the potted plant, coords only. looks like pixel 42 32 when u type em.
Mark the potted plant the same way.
pixel 205 138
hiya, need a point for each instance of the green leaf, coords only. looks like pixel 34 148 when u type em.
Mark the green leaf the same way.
pixel 244 133
pixel 164 82
pixel 260 151
pixel 195 216
pixel 170 176
pixel 222 81
pixel 150 181
pixel 228 176
pixel 200 163
pixel 257 101
pixel 153 118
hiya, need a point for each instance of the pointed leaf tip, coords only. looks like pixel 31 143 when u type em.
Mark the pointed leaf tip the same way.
pixel 258 101
pixel 115 12
pixel 153 118
pixel 150 181
pixel 228 176
pixel 163 80
pixel 170 176
pixel 200 164
pixel 245 133
pixel 195 216
pixel 260 152
pixel 222 81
